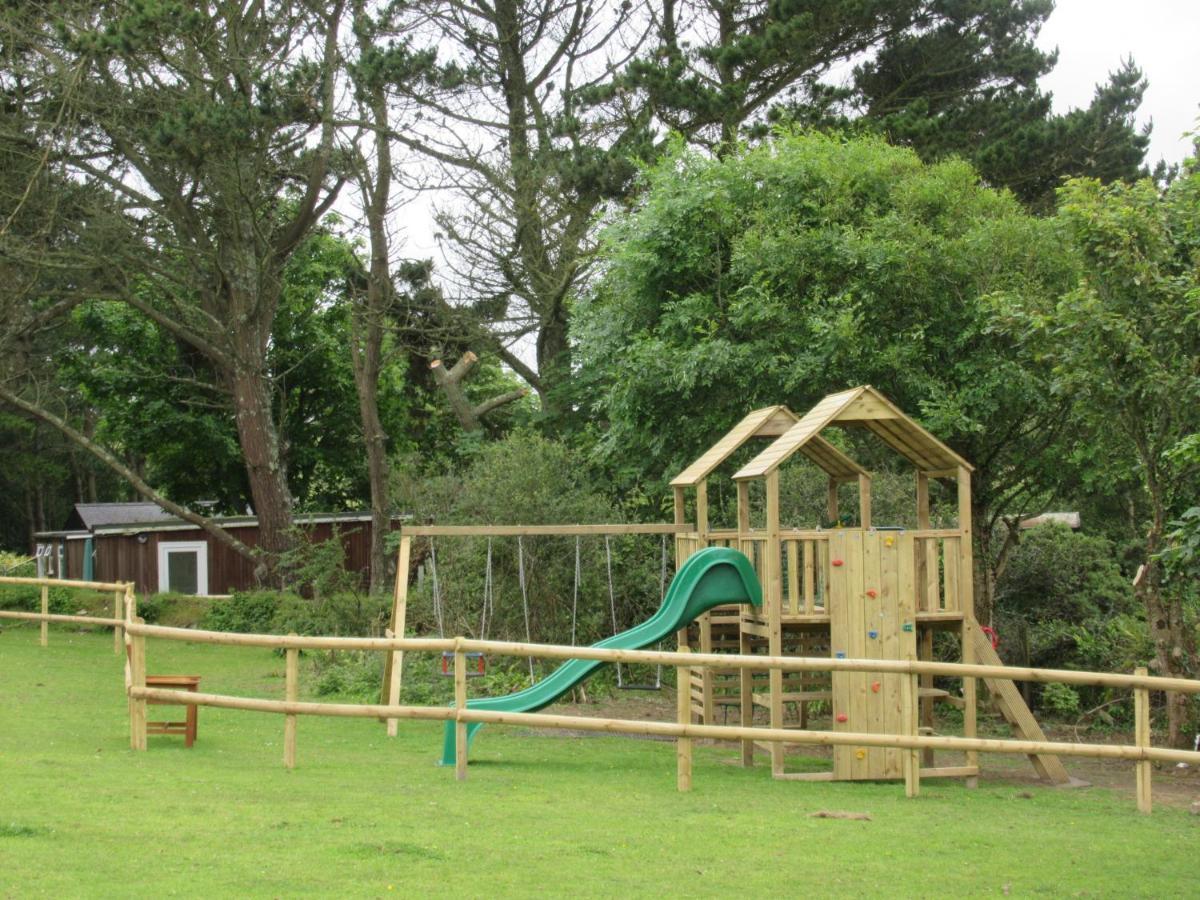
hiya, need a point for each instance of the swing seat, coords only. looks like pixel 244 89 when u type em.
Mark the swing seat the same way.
pixel 640 687
pixel 473 671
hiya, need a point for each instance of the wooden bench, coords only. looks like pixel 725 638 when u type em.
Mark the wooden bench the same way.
pixel 188 726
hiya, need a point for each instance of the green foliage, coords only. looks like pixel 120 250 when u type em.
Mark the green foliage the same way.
pixel 251 612
pixel 804 266
pixel 1063 602
pixel 1061 699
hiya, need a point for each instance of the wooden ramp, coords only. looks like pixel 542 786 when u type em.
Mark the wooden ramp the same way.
pixel 1012 707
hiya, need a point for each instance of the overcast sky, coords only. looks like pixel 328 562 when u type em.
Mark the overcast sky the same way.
pixel 1163 36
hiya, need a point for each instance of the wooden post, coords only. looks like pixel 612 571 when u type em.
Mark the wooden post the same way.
pixel 291 694
pixel 137 708
pixel 773 582
pixel 864 502
pixel 966 583
pixel 1141 737
pixel 909 691
pixel 118 637
pixel 45 612
pixel 683 712
pixel 831 501
pixel 925 652
pixel 394 668
pixel 460 705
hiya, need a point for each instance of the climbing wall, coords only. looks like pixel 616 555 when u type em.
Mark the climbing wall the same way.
pixel 872 606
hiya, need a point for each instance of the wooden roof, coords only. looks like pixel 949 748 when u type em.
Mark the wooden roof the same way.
pixel 771 421
pixel 861 406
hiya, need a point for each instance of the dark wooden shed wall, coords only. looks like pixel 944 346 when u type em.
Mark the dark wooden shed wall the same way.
pixel 122 557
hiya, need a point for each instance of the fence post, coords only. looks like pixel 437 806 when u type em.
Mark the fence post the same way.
pixel 45 612
pixel 291 694
pixel 117 631
pixel 137 706
pixel 1141 737
pixel 909 692
pixel 683 710
pixel 460 705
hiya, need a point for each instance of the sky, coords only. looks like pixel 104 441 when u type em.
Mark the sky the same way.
pixel 1163 36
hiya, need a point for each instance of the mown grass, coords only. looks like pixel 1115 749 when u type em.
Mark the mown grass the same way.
pixel 362 815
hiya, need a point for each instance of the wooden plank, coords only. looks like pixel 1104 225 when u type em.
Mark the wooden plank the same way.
pixel 891 644
pixel 810 578
pixel 795 602
pixel 788 443
pixel 1141 737
pixel 394 662
pixel 839 645
pixel 856 629
pixel 871 622
pixel 545 530
pixel 926 652
pixel 952 554
pixel 933 576
pixel 967 605
pixel 1012 707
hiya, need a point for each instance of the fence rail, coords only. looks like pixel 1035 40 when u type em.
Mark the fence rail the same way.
pixel 682 730
pixel 119 590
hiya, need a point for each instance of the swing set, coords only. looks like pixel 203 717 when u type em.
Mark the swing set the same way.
pixel 477 663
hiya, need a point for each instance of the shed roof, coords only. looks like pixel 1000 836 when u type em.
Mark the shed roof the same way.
pixel 770 421
pixel 94 515
pixel 865 407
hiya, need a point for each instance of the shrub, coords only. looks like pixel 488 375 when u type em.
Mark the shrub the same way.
pixel 252 612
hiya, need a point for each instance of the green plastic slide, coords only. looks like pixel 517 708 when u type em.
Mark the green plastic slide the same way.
pixel 709 578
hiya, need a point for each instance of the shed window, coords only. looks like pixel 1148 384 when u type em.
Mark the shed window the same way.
pixel 183 567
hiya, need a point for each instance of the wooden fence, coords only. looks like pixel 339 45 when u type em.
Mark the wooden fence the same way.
pixel 119 591
pixel 1142 753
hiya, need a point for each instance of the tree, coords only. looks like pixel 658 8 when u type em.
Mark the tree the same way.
pixel 213 127
pixel 807 265
pixel 1123 346
pixel 964 81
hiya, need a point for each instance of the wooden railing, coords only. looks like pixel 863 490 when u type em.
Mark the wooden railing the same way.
pixel 682 729
pixel 119 590
pixel 804 561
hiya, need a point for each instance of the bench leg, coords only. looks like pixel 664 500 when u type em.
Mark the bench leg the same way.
pixel 190 733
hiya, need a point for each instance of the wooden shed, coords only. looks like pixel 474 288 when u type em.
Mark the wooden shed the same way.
pixel 140 543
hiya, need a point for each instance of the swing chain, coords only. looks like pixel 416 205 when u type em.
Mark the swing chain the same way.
pixel 437 590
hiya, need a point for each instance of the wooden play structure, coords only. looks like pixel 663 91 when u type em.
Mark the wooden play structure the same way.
pixel 848 591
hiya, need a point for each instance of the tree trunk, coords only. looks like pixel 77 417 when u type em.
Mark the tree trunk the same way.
pixel 366 357
pixel 554 361
pixel 259 441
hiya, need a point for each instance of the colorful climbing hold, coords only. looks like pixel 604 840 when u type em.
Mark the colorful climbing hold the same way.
pixel 907 626
pixel 888 541
pixel 835 562
pixel 842 717
pixel 874 687
pixel 872 634
pixel 841 654
pixel 860 754
pixel 872 593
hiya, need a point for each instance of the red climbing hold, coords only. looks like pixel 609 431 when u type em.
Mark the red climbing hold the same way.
pixel 872 593
pixel 842 717
pixel 835 562
pixel 874 687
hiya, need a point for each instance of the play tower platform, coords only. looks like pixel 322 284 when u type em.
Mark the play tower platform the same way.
pixel 848 590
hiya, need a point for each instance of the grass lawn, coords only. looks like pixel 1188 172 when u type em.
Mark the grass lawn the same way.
pixel 362 815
